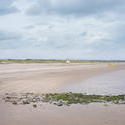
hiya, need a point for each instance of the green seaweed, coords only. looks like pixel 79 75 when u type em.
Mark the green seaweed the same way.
pixel 61 99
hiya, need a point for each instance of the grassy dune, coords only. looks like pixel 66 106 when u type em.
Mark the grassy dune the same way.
pixel 54 61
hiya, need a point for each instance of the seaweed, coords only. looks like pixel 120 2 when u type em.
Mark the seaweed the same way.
pixel 61 99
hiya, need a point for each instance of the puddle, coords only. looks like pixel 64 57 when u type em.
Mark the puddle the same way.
pixel 108 83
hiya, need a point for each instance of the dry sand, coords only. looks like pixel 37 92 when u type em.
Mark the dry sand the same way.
pixel 50 78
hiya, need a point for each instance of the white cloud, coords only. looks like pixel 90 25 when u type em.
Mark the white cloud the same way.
pixel 60 32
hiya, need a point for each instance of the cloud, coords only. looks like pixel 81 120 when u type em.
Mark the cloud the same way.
pixel 77 29
pixel 9 40
pixel 75 7
pixel 8 36
pixel 6 7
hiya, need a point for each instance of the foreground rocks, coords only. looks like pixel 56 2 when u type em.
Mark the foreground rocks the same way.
pixel 61 99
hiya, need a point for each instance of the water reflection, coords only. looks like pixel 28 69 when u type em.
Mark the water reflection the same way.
pixel 109 83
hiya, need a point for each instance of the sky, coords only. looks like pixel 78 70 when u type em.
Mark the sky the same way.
pixel 62 29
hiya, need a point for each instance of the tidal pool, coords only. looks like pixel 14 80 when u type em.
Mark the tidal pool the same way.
pixel 108 83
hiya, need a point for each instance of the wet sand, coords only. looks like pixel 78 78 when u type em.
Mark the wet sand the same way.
pixel 53 78
pixel 112 83
pixel 48 77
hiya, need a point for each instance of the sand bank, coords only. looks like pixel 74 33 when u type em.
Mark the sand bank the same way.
pixel 48 77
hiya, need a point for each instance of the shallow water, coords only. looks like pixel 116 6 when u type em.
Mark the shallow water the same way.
pixel 108 83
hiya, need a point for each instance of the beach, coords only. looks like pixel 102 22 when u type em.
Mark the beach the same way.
pixel 95 78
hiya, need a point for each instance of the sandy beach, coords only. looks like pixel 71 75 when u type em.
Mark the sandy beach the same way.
pixel 45 78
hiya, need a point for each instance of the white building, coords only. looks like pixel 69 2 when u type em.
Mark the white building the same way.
pixel 67 61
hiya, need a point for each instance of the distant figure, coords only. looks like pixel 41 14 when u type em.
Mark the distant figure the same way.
pixel 67 61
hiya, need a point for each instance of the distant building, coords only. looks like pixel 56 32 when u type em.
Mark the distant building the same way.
pixel 68 61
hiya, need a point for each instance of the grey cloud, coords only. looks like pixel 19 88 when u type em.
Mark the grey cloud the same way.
pixel 29 27
pixel 8 36
pixel 83 34
pixel 63 41
pixel 75 7
pixel 6 7
pixel 9 40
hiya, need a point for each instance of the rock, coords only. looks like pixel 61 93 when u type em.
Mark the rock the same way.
pixel 34 100
pixel 34 105
pixel 26 102
pixel 14 102
pixel 58 104
pixel 8 97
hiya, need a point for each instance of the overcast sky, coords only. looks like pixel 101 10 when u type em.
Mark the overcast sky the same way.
pixel 60 29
